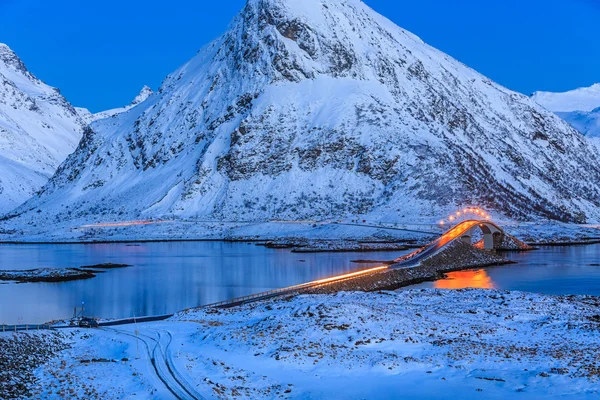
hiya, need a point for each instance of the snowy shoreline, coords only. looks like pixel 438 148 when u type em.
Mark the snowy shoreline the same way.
pixel 542 234
pixel 487 344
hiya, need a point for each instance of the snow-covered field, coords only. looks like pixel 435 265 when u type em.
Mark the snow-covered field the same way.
pixel 411 344
pixel 180 229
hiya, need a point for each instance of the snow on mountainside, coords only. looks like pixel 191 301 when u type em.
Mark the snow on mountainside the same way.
pixel 579 107
pixel 38 130
pixel 587 123
pixel 89 117
pixel 319 109
pixel 582 99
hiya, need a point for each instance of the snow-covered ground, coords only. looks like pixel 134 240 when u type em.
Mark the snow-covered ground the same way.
pixel 412 344
pixel 421 230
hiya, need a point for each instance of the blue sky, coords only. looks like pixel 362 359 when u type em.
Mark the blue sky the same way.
pixel 100 54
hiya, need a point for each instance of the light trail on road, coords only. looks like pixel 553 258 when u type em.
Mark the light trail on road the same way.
pixel 124 224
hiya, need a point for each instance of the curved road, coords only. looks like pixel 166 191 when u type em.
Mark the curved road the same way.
pixel 434 247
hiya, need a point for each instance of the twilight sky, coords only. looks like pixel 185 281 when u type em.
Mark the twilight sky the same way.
pixel 101 53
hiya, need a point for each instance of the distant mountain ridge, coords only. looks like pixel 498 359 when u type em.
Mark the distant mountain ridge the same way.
pixel 323 109
pixel 582 99
pixel 90 117
pixel 579 107
pixel 38 130
pixel 587 123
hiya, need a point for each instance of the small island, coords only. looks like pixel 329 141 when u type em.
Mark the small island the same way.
pixel 55 275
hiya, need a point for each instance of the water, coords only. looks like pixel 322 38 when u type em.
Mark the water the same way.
pixel 168 277
pixel 549 270
pixel 165 277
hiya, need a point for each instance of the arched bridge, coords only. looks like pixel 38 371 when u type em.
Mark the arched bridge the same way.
pixel 463 231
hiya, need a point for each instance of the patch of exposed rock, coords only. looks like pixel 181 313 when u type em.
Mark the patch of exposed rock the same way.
pixel 21 354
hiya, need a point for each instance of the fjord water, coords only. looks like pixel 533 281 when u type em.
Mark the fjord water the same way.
pixel 164 277
pixel 548 270
pixel 168 277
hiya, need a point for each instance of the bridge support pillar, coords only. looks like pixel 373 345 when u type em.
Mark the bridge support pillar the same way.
pixel 466 239
pixel 488 241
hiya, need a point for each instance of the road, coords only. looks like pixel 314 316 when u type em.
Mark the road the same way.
pixel 159 357
pixel 391 228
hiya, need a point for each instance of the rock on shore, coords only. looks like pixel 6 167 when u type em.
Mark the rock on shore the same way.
pixel 20 355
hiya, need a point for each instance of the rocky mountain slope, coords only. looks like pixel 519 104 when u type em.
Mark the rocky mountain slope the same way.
pixel 38 130
pixel 321 109
pixel 89 117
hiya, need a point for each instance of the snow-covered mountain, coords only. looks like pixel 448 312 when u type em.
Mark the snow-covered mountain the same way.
pixel 38 130
pixel 317 109
pixel 587 123
pixel 90 117
pixel 579 107
pixel 582 99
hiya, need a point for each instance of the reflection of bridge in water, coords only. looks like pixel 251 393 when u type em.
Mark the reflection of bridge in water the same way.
pixel 478 279
pixel 463 231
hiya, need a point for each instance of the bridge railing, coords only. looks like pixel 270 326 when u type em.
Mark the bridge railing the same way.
pixel 292 289
pixel 24 328
pixel 256 296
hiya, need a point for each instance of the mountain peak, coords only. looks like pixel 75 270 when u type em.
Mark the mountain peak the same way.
pixel 4 48
pixel 142 96
pixel 9 58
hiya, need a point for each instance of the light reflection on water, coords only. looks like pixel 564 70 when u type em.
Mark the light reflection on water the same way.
pixel 164 278
pixel 549 270
pixel 478 279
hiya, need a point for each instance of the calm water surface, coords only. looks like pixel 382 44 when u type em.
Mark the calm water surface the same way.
pixel 549 270
pixel 168 277
pixel 165 277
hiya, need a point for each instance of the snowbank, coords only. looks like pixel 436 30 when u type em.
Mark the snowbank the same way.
pixel 415 344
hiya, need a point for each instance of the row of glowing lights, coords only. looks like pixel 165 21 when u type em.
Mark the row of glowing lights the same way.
pixel 473 211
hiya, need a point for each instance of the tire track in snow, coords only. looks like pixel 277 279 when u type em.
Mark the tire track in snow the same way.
pixel 167 377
